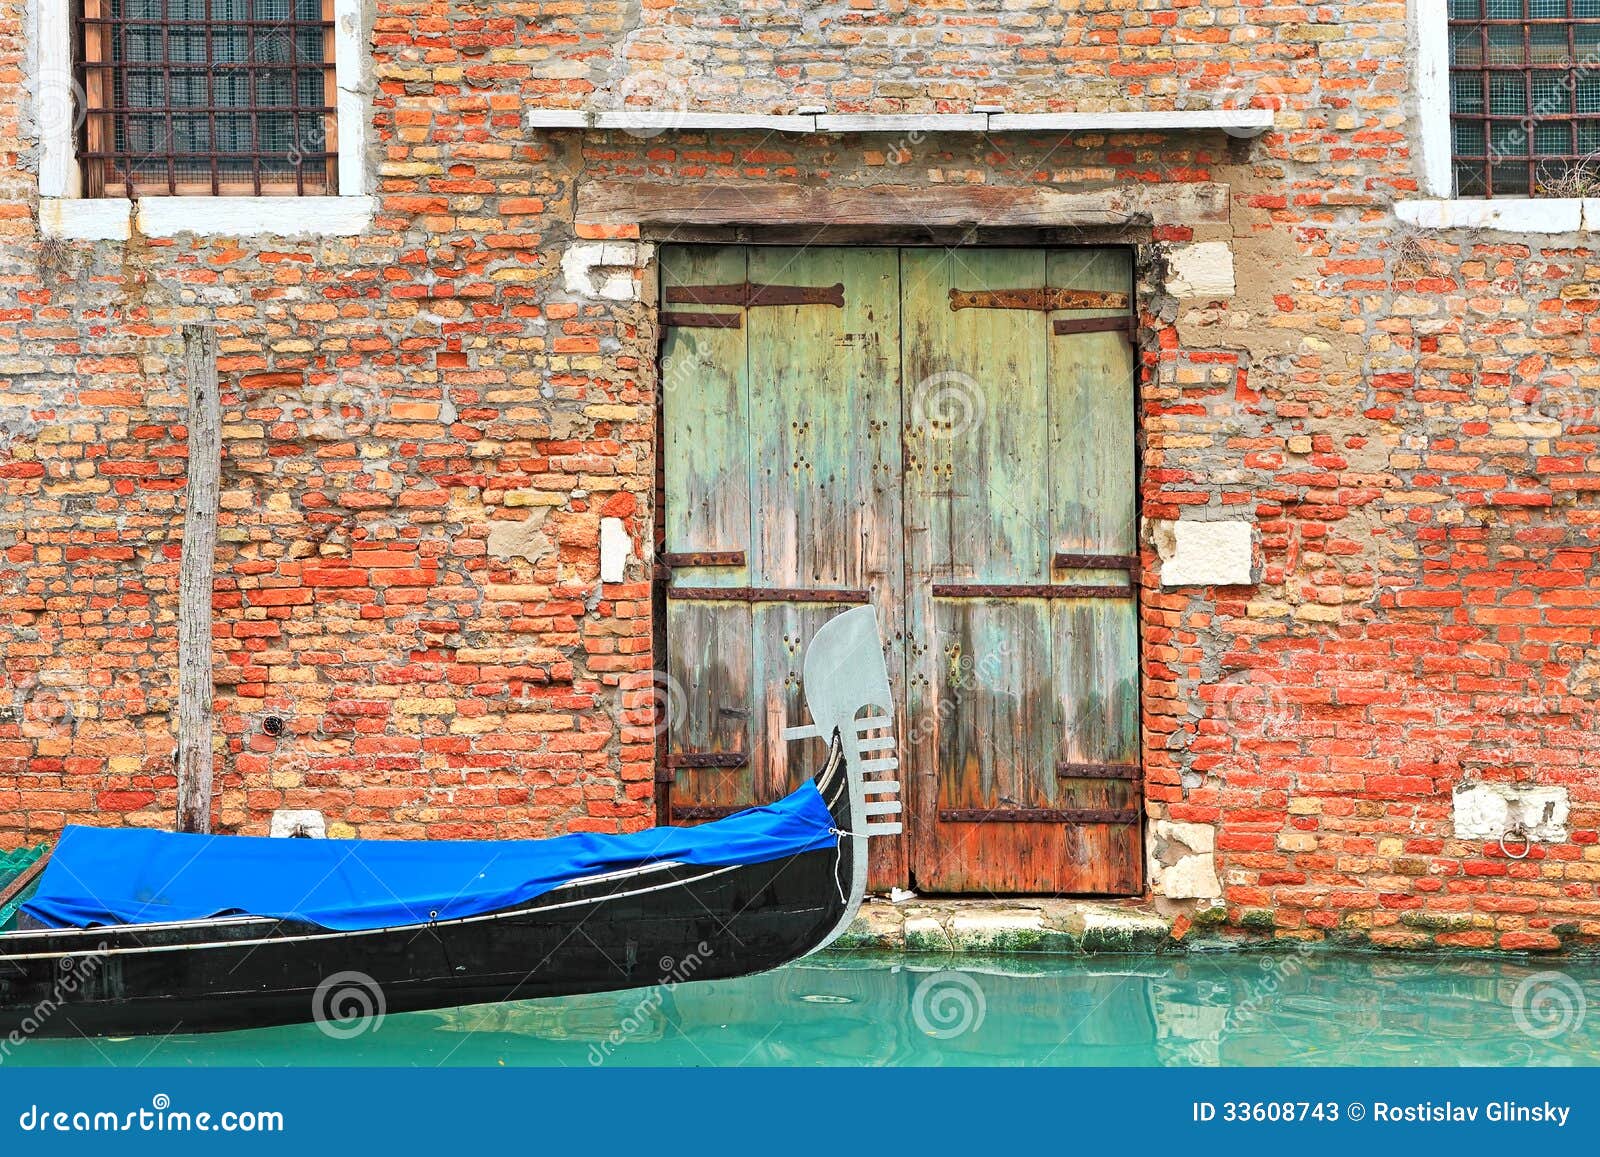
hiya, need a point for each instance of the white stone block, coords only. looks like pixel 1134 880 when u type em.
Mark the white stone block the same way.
pixel 107 219
pixel 1203 269
pixel 615 546
pixel 1191 876
pixel 1487 811
pixel 287 822
pixel 1204 553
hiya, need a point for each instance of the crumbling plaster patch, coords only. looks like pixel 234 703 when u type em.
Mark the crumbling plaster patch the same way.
pixel 605 269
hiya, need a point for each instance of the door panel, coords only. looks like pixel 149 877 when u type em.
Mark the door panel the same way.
pixel 707 697
pixel 1020 694
pixel 825 494
pixel 879 439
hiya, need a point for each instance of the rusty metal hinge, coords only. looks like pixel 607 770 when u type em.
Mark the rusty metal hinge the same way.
pixel 1042 300
pixel 769 594
pixel 703 320
pixel 1066 560
pixel 751 294
pixel 1029 591
pixel 706 811
pixel 1125 325
pixel 1039 815
pixel 679 759
pixel 1069 770
pixel 672 559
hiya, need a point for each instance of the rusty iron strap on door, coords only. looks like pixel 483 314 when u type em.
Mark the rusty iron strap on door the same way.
pixel 1125 324
pixel 751 294
pixel 707 811
pixel 704 320
pixel 1039 815
pixel 1029 591
pixel 1039 300
pixel 745 294
pixel 769 594
pixel 689 760
pixel 1066 560
pixel 1069 770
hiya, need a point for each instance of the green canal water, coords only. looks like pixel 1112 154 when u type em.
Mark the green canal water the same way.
pixel 1226 1009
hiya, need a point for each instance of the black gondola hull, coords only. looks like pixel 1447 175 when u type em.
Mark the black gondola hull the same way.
pixel 669 926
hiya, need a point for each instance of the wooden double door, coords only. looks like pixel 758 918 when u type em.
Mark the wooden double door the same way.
pixel 948 434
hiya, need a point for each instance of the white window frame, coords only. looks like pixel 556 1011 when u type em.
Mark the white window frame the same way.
pixel 1443 209
pixel 65 212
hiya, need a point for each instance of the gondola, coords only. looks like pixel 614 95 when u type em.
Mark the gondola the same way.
pixel 284 931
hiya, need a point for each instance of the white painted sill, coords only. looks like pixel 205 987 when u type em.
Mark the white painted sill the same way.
pixel 110 219
pixel 1505 215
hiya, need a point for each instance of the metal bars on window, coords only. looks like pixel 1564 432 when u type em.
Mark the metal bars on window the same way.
pixel 1524 96
pixel 207 97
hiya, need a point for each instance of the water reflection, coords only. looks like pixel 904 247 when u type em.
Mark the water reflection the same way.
pixel 1281 1009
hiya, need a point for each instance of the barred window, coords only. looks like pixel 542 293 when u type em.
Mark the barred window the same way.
pixel 198 97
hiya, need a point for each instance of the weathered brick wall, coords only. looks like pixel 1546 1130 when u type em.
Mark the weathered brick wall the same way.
pixel 425 424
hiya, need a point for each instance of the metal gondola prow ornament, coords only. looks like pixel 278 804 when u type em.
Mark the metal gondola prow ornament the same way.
pixel 846 688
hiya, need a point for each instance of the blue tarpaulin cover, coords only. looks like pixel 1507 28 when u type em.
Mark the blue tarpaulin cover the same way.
pixel 131 876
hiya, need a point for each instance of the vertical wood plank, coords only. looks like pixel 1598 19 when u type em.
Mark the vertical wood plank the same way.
pixel 195 578
pixel 706 689
pixel 1095 651
pixel 825 468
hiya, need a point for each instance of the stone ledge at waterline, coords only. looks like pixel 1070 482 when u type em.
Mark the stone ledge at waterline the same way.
pixel 1069 927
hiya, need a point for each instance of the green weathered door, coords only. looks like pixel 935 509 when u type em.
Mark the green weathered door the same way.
pixel 782 447
pixel 851 423
pixel 1020 517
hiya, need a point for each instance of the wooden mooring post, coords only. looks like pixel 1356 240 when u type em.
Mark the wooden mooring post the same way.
pixel 195 575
